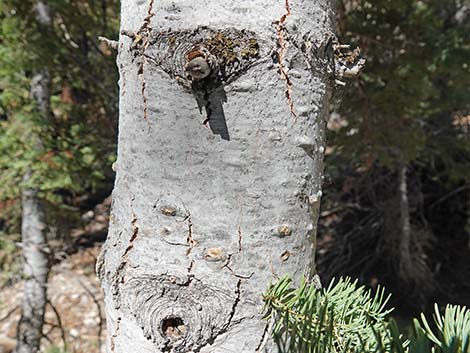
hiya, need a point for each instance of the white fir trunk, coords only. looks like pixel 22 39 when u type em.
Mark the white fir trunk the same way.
pixel 205 217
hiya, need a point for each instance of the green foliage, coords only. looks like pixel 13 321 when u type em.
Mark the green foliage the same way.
pixel 9 261
pixel 77 142
pixel 409 107
pixel 56 349
pixel 348 318
pixel 402 107
pixel 341 318
pixel 452 333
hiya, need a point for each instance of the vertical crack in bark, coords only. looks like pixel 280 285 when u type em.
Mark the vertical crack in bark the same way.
pixel 281 54
pixel 150 13
pixel 130 245
pixel 239 232
pixel 122 73
pixel 239 227
pixel 191 243
pixel 234 306
pixel 145 32
pixel 265 336
pixel 119 275
pixel 115 334
pixel 231 315
pixel 140 73
pixel 135 232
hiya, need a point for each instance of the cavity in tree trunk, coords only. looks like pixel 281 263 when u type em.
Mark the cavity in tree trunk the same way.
pixel 33 227
pixel 218 177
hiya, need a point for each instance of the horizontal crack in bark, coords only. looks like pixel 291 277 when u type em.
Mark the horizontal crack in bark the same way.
pixel 227 266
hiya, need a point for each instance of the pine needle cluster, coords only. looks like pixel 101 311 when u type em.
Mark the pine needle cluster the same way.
pixel 345 317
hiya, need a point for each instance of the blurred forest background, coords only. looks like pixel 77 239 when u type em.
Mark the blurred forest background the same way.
pixel 396 204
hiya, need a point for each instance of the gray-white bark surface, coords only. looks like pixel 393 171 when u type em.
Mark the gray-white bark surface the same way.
pixel 33 228
pixel 205 217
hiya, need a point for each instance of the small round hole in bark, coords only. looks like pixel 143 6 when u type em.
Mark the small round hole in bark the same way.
pixel 173 327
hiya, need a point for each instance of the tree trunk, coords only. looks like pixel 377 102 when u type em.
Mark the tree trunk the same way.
pixel 35 249
pixel 219 169
pixel 36 270
pixel 405 225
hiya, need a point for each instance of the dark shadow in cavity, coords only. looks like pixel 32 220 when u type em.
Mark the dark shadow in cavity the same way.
pixel 210 95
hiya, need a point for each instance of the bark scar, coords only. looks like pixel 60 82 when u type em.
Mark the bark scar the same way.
pixel 281 54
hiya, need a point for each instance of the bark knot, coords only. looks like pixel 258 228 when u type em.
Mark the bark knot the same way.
pixel 178 314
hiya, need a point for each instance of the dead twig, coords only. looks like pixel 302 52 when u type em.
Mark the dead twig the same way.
pixel 59 323
pixel 8 314
pixel 113 44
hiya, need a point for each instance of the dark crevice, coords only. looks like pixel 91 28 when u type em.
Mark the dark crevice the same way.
pixel 115 334
pixel 264 337
pixel 234 306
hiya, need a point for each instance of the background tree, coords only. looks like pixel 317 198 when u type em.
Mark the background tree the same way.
pixel 45 142
pixel 72 169
pixel 33 228
pixel 395 210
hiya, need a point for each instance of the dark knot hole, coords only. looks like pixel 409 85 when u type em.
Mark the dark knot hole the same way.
pixel 173 327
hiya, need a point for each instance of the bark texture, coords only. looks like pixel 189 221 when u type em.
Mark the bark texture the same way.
pixel 219 170
pixel 33 228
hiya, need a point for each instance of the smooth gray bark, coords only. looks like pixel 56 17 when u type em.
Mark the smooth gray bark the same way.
pixel 205 217
pixel 35 249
